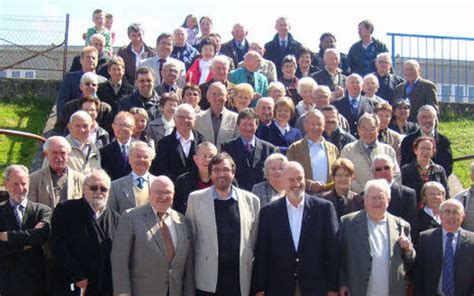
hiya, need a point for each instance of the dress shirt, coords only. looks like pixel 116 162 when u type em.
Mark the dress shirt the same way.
pixel 252 141
pixel 295 217
pixel 334 76
pixel 185 143
pixel 357 100
pixel 115 87
pixel 17 209
pixel 127 145
pixel 85 148
pixel 138 55
pixel 145 177
pixel 168 125
pixel 454 244
pixel 216 120
pixel 379 248
pixel 432 215
pixel 283 130
pixel 169 222
pixel 319 160
pixel 232 194
pixel 283 42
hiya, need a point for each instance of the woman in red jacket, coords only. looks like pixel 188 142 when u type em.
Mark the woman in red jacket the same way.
pixel 199 72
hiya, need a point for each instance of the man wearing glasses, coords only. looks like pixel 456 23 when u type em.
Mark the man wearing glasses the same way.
pixel 82 239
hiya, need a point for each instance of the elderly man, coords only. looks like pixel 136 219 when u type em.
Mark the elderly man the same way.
pixel 427 120
pixel 132 190
pixel 115 154
pixel 331 75
pixel 164 47
pixel 158 266
pixel 217 124
pixel 83 230
pixel 136 51
pixel 224 221
pixel 69 88
pixel 220 71
pixel 362 54
pixel 445 255
pixel 467 199
pixel 402 198
pixel 283 44
pixel 24 229
pixel 328 40
pixel 332 130
pixel 314 153
pixel 353 105
pixel 419 91
pixel 387 81
pixel 84 155
pixel 175 152
pixel 238 46
pixel 376 247
pixel 248 151
pixel 267 67
pixel 182 50
pixel 56 182
pixel 305 258
pixel 170 74
pixel 362 152
pixel 145 96
pixel 249 74
pixel 264 111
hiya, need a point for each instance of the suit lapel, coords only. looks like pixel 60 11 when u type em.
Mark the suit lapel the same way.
pixel 257 152
pixel 151 219
pixel 26 216
pixel 209 127
pixel 244 225
pixel 47 181
pixel 179 149
pixel 181 234
pixel 127 189
pixel 285 223
pixel 307 214
pixel 362 151
pixel 206 204
pixel 363 232
pixel 394 232
pixel 306 159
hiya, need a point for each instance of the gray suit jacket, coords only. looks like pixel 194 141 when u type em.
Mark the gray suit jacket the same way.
pixel 356 258
pixel 139 265
pixel 227 132
pixel 201 214
pixel 41 186
pixel 121 196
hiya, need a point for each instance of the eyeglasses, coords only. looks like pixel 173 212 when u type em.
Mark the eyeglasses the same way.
pixel 90 84
pixel 102 188
pixel 384 168
pixel 224 170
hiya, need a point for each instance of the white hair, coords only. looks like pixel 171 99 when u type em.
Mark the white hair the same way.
pixel 138 144
pixel 186 108
pixel 14 167
pixel 278 85
pixel 306 81
pixel 59 140
pixel 382 157
pixel 373 77
pixel 427 108
pixel 89 76
pixel 355 76
pixel 332 50
pixel 265 100
pixel 81 114
pixel 220 59
pixel 380 184
pixel 270 158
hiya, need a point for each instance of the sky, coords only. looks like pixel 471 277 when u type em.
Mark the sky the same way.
pixel 309 18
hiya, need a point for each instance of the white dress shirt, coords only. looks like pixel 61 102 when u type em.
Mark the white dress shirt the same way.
pixel 319 160
pixel 185 143
pixel 379 248
pixel 295 218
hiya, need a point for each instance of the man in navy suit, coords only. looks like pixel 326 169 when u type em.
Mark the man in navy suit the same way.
pixel 248 151
pixel 353 105
pixel 297 247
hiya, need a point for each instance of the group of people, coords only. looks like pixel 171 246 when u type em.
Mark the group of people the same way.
pixel 239 169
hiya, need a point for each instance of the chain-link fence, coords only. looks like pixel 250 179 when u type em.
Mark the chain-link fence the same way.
pixel 33 46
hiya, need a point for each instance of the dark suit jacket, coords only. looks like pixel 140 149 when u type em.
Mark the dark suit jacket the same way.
pixel 429 259
pixel 322 77
pixel 112 161
pixel 423 93
pixel 230 49
pixel 204 103
pixel 424 222
pixel 68 90
pixel 387 85
pixel 275 53
pixel 248 173
pixel 353 202
pixel 130 60
pixel 136 100
pixel 343 105
pixel 170 158
pixel 20 269
pixel 314 263
pixel 82 245
pixel 282 142
pixel 107 94
pixel 443 156
pixel 403 204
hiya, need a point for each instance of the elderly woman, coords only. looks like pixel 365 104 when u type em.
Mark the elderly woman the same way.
pixel 276 90
pixel 272 188
pixel 97 135
pixel 141 121
pixel 344 200
pixel 432 195
pixel 199 72
pixel 192 95
pixel 242 97
pixel 423 169
pixel 370 86
pixel 164 124
pixel 304 56
pixel 280 133
pixel 289 79
pixel 306 88
pixel 386 135
pixel 401 112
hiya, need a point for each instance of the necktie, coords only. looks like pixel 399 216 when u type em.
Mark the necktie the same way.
pixel 18 211
pixel 124 154
pixel 165 232
pixel 160 67
pixel 370 148
pixel 283 43
pixel 140 182
pixel 251 79
pixel 354 106
pixel 248 147
pixel 448 264
pixel 340 206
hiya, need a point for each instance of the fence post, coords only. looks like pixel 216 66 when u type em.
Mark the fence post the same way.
pixel 66 35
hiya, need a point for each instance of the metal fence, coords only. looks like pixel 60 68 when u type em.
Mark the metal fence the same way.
pixel 447 61
pixel 33 46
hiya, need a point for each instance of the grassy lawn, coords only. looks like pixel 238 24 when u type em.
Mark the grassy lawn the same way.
pixel 460 130
pixel 29 116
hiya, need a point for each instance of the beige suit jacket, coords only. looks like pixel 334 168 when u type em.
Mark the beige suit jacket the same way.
pixel 121 196
pixel 42 191
pixel 81 163
pixel 201 214
pixel 227 132
pixel 356 152
pixel 139 264
pixel 299 151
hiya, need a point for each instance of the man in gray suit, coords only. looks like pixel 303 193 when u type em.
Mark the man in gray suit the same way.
pixel 224 222
pixel 445 257
pixel 132 190
pixel 152 250
pixel 375 247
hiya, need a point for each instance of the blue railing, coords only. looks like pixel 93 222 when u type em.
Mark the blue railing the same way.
pixel 448 61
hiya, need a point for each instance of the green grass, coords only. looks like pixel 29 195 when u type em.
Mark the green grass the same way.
pixel 460 130
pixel 30 116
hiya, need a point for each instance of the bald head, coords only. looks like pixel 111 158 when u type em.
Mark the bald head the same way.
pixel 161 194
pixel 293 179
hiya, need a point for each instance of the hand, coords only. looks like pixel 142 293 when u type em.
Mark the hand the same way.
pixel 4 236
pixel 26 248
pixel 257 96
pixel 82 284
pixel 331 293
pixel 405 244
pixel 39 225
pixel 344 291
pixel 338 92
pixel 317 187
pixel 260 294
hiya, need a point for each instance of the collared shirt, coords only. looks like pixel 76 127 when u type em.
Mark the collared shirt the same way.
pixel 145 177
pixel 85 148
pixel 283 130
pixel 139 56
pixel 432 215
pixel 454 243
pixel 15 207
pixel 334 76
pixel 283 42
pixel 127 145
pixel 168 125
pixel 319 160
pixel 380 250
pixel 252 141
pixel 295 218
pixel 169 222
pixel 115 87
pixel 216 120
pixel 185 143
pixel 430 134
pixel 232 194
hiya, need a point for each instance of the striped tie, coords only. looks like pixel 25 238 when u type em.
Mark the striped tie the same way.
pixel 448 264
pixel 18 211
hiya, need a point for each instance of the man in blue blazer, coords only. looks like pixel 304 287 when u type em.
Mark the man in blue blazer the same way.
pixel 249 74
pixel 297 251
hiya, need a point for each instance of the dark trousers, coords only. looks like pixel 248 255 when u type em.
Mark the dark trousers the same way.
pixel 218 293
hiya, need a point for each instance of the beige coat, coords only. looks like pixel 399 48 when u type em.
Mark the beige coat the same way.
pixel 79 162
pixel 227 132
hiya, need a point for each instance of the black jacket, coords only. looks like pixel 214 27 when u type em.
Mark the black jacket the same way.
pixel 136 100
pixel 112 161
pixel 275 53
pixel 106 93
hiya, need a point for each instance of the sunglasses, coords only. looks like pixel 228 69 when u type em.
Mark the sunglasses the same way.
pixel 384 168
pixel 90 84
pixel 102 188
